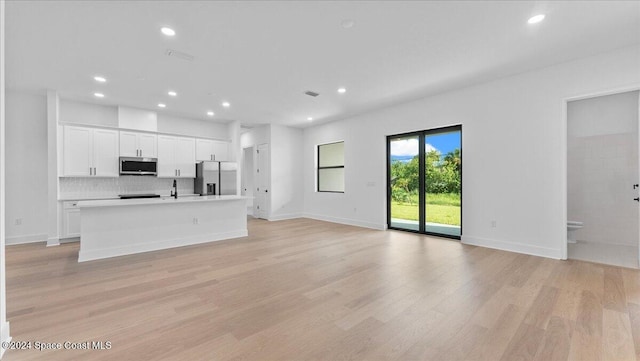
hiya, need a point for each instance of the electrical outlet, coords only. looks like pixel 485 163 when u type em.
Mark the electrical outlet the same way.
pixel 494 224
pixel 195 221
pixel 18 221
pixel 355 210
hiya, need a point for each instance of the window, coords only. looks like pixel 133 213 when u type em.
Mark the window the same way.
pixel 331 167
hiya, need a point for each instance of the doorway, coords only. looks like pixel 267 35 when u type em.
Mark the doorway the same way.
pixel 424 182
pixel 603 216
pixel 248 177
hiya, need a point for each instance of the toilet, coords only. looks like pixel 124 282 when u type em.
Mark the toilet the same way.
pixel 572 226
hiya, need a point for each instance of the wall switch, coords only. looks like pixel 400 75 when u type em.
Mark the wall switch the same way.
pixel 195 221
pixel 18 221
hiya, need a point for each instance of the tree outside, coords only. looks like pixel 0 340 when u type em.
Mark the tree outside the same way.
pixel 443 184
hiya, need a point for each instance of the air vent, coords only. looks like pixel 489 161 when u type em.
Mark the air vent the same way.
pixel 180 55
pixel 311 94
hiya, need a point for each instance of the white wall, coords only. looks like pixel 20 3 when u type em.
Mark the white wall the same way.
pixel 287 199
pixel 4 325
pixel 192 127
pixel 513 135
pixel 602 166
pixel 26 164
pixel 72 111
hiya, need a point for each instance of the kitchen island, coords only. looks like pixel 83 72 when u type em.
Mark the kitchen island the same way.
pixel 110 228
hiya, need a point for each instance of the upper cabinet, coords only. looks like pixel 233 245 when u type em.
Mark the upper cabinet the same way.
pixel 89 152
pixel 207 149
pixel 134 144
pixel 176 157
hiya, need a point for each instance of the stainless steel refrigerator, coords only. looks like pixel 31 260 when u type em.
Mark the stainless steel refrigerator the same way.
pixel 216 178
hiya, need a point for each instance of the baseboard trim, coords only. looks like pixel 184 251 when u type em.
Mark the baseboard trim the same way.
pixel 4 336
pixel 283 217
pixel 30 238
pixel 513 247
pixel 347 221
pixel 53 241
pixel 156 246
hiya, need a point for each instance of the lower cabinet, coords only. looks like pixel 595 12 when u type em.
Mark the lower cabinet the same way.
pixel 70 219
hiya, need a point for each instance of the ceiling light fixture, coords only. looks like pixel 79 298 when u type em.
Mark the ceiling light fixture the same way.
pixel 168 31
pixel 98 95
pixel 348 23
pixel 536 19
pixel 172 93
pixel 210 113
pixel 162 105
pixel 226 104
pixel 99 79
pixel 342 90
pixel 310 119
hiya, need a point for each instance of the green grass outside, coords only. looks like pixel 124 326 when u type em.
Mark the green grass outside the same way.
pixel 441 208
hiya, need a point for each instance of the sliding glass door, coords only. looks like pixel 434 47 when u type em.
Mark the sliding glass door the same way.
pixel 425 182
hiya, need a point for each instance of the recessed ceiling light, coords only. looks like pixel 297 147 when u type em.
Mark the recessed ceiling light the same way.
pixel 536 19
pixel 98 95
pixel 348 23
pixel 99 79
pixel 342 90
pixel 309 119
pixel 161 105
pixel 226 104
pixel 210 113
pixel 168 31
pixel 172 93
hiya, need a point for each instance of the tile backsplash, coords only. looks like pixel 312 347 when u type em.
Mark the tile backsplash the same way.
pixel 79 188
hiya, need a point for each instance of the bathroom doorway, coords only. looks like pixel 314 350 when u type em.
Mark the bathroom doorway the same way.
pixel 602 179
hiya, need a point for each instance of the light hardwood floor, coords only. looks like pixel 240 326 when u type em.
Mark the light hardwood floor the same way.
pixel 310 290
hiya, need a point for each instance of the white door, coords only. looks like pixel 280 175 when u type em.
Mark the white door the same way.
pixel 204 149
pixel 186 157
pixel 262 195
pixel 148 145
pixel 105 153
pixel 167 157
pixel 128 144
pixel 77 157
pixel 247 177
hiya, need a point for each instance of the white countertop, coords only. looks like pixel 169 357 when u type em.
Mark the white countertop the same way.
pixel 155 201
pixel 96 198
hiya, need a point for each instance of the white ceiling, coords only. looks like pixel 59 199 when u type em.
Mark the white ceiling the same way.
pixel 262 56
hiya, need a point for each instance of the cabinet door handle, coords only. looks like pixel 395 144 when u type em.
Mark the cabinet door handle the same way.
pixel 178 172
pixel 90 171
pixel 94 171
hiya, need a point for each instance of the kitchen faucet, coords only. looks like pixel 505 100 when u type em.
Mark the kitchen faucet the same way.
pixel 174 191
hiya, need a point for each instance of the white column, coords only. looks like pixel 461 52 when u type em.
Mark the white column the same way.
pixel 4 325
pixel 53 104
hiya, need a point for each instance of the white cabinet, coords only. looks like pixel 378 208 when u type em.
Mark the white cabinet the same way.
pixel 90 152
pixel 207 149
pixel 134 144
pixel 70 220
pixel 176 157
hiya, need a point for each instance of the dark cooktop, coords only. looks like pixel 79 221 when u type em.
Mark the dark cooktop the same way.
pixel 145 195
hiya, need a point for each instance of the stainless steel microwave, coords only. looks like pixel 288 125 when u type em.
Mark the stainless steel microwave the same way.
pixel 138 166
